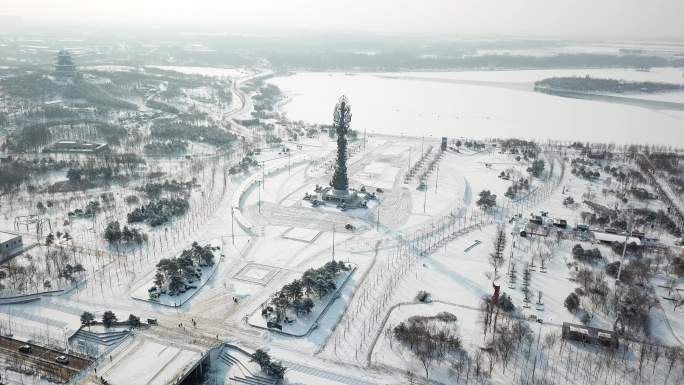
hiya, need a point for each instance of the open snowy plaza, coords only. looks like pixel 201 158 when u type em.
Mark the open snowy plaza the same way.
pixel 199 208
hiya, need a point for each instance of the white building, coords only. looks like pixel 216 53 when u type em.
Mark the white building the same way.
pixel 610 238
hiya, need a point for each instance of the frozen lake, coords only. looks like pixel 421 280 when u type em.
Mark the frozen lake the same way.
pixel 483 104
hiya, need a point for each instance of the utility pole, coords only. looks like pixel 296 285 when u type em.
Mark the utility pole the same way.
pixel 624 248
pixel 364 139
pixel 333 244
pixel 511 257
pixel 259 188
pixel 377 224
pixel 425 195
pixel 534 367
pixel 232 224
pixel 263 174
pixel 409 168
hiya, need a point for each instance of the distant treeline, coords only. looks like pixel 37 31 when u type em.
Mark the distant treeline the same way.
pixel 157 105
pixel 589 84
pixel 38 86
pixel 393 61
pixel 326 58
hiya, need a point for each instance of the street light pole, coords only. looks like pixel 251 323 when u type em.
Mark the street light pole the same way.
pixel 333 244
pixel 511 257
pixel 232 224
pixel 377 225
pixel 364 139
pixel 624 248
pixel 425 195
pixel 409 168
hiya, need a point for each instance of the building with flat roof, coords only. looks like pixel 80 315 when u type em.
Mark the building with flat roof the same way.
pixel 10 245
pixel 609 238
pixel 588 334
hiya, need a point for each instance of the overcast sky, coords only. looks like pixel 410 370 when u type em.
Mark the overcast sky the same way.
pixel 552 18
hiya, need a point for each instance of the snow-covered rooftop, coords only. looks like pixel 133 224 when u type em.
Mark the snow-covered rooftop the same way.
pixel 608 237
pixel 148 362
pixel 4 237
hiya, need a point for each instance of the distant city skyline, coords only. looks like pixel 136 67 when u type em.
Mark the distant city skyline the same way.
pixel 619 19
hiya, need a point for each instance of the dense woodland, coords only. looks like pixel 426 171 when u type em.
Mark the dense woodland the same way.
pixel 590 84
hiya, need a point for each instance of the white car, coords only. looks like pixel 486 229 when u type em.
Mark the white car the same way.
pixel 62 359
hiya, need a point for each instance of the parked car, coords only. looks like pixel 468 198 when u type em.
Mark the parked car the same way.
pixel 62 360
pixel 26 349
pixel 273 325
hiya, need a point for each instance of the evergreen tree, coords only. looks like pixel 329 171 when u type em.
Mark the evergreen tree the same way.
pixel 572 302
pixel 133 321
pixel 87 318
pixel 108 318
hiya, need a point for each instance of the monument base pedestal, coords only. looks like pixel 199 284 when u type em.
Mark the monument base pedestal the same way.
pixel 344 199
pixel 342 195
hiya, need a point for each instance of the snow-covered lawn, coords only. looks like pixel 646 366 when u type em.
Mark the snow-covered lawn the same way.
pixel 378 174
pixel 300 234
pixel 392 353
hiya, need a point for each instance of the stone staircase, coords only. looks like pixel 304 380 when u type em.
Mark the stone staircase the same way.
pixel 249 378
pixel 228 359
pixel 253 380
pixel 106 339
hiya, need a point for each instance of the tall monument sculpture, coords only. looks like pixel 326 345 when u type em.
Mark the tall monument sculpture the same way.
pixel 341 120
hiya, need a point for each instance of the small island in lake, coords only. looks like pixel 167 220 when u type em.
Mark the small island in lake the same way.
pixel 589 85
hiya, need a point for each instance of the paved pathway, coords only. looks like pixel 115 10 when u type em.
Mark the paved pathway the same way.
pixel 324 374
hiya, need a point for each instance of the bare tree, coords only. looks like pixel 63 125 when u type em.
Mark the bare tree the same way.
pixel 673 354
pixel 496 259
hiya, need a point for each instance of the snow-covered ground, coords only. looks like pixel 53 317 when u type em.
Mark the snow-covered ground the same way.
pixel 351 333
pixel 436 240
